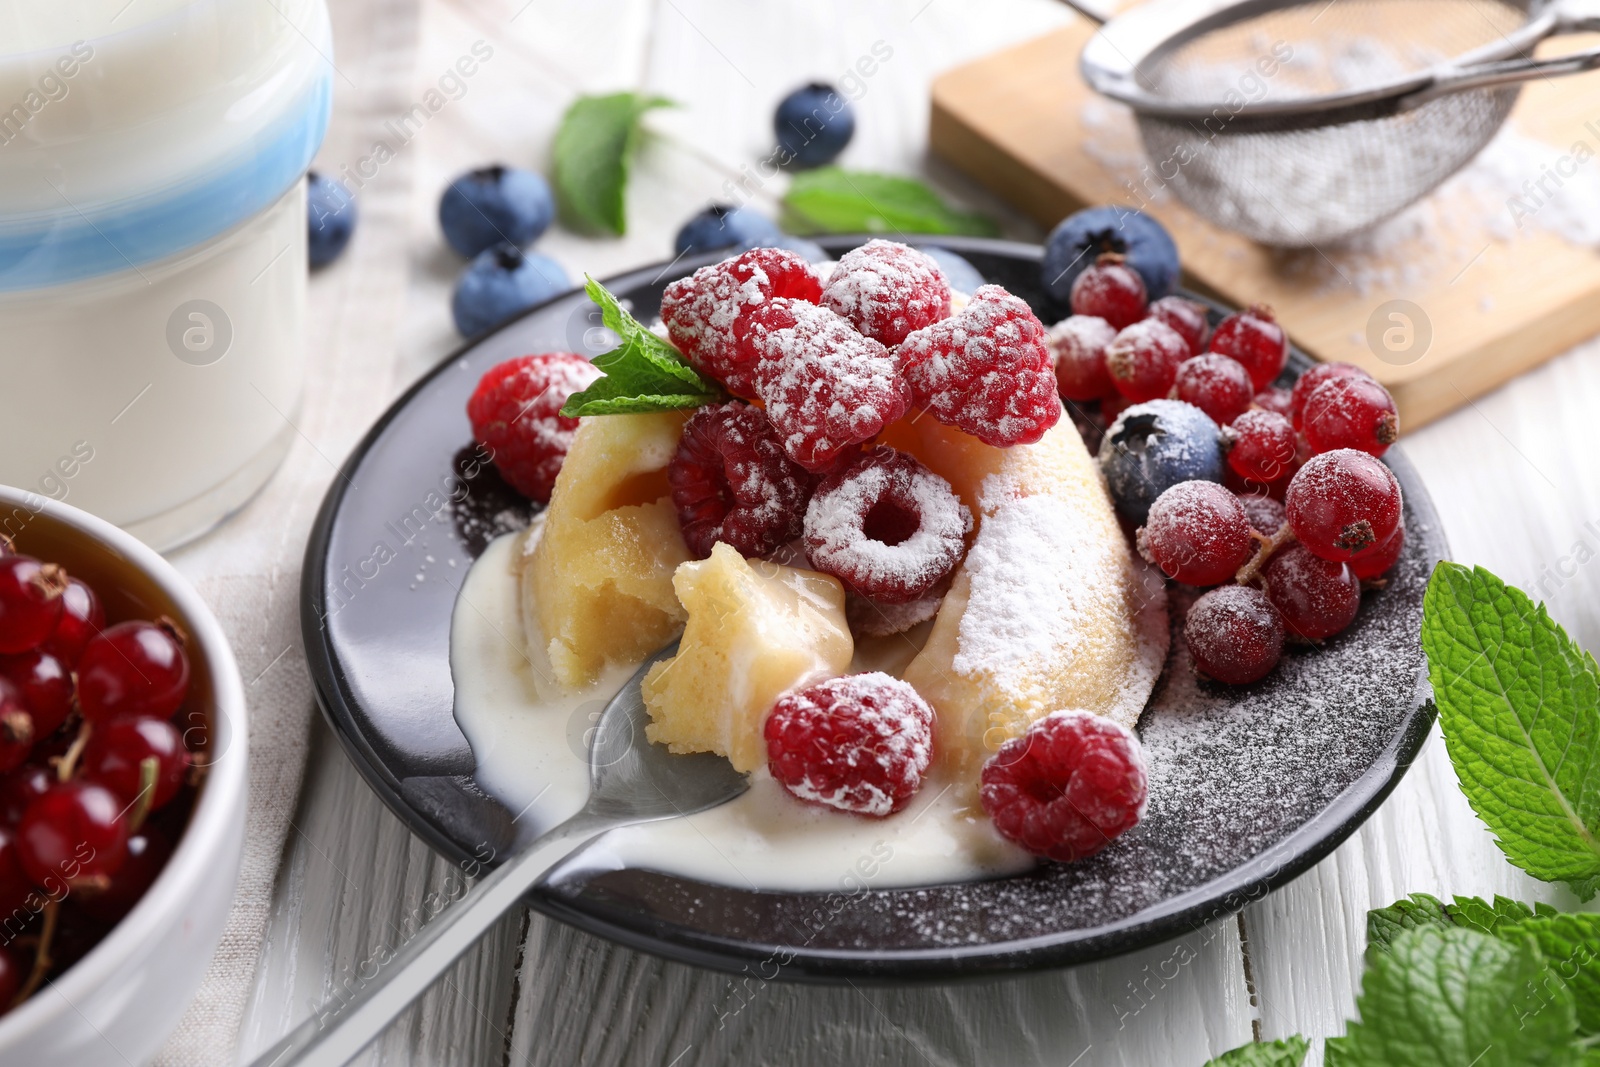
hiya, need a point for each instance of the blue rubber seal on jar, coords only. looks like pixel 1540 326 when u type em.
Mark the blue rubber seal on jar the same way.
pixel 74 244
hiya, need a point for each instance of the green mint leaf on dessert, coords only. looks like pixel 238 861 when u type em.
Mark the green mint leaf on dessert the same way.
pixel 643 373
pixel 1289 1052
pixel 593 149
pixel 1458 996
pixel 834 200
pixel 1520 709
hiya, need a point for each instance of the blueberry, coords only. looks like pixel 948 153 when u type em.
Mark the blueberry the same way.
pixel 1154 446
pixel 959 274
pixel 1080 237
pixel 501 281
pixel 484 207
pixel 813 125
pixel 330 218
pixel 721 226
pixel 801 247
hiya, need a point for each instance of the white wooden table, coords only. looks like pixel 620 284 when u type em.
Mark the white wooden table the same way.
pixel 1514 477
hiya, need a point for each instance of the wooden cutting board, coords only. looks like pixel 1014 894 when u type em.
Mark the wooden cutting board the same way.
pixel 1494 299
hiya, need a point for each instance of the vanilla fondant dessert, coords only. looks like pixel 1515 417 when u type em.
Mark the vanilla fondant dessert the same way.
pixel 887 556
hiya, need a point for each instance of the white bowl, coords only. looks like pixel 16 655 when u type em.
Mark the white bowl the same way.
pixel 119 1003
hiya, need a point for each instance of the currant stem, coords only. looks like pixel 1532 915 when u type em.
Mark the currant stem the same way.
pixel 67 765
pixel 41 955
pixel 149 767
pixel 1268 546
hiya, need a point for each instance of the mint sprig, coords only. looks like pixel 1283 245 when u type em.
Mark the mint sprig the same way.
pixel 834 200
pixel 643 373
pixel 1289 1052
pixel 593 150
pixel 1519 704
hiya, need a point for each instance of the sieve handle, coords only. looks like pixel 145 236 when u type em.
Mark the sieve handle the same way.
pixel 1503 72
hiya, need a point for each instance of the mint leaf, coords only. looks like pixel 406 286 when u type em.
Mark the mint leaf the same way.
pixel 1486 918
pixel 834 200
pixel 593 147
pixel 1456 996
pixel 1520 710
pixel 1289 1052
pixel 643 373
pixel 1570 944
pixel 1407 913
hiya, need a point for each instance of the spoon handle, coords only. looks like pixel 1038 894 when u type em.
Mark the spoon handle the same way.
pixel 340 1029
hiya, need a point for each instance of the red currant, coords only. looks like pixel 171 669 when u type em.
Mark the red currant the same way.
pixel 76 834
pixel 45 684
pixel 148 852
pixel 1079 346
pixel 1217 385
pixel 16 728
pixel 1143 360
pixel 1317 597
pixel 15 887
pixel 30 601
pixel 1261 446
pixel 1276 398
pixel 1343 504
pixel 1197 533
pixel 1381 560
pixel 81 618
pixel 1234 634
pixel 133 668
pixel 1350 413
pixel 1265 514
pixel 117 748
pixel 21 788
pixel 1254 338
pixel 1110 289
pixel 1308 382
pixel 1185 316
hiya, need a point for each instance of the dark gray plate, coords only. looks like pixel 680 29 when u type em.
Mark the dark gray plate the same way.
pixel 1250 787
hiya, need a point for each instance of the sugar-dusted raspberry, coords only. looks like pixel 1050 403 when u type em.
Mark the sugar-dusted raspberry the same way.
pixel 1143 360
pixel 706 314
pixel 986 371
pixel 732 482
pixel 887 290
pixel 827 388
pixel 1078 344
pixel 1217 385
pixel 1066 788
pixel 515 413
pixel 860 744
pixel 886 526
pixel 1234 634
pixel 878 618
pixel 1188 317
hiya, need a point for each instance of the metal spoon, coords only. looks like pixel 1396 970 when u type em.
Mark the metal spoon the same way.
pixel 631 781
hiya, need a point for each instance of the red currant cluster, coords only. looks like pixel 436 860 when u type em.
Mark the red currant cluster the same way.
pixel 88 752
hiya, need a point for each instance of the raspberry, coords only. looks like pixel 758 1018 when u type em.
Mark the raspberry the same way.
pixel 1276 399
pixel 1144 358
pixel 707 314
pixel 1234 634
pixel 1197 533
pixel 1217 385
pixel 986 371
pixel 887 290
pixel 878 618
pixel 860 744
pixel 1350 413
pixel 1307 383
pixel 1066 788
pixel 1261 446
pixel 1343 504
pixel 732 482
pixel 1185 316
pixel 1079 344
pixel 886 526
pixel 1316 597
pixel 1381 560
pixel 1111 289
pixel 1254 338
pixel 826 387
pixel 515 414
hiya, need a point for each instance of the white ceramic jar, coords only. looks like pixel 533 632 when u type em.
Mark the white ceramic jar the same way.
pixel 152 250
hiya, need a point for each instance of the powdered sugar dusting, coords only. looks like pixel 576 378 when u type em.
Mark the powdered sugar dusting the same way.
pixel 1079 337
pixel 887 290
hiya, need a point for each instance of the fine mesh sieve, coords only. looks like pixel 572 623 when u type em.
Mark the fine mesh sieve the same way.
pixel 1302 123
